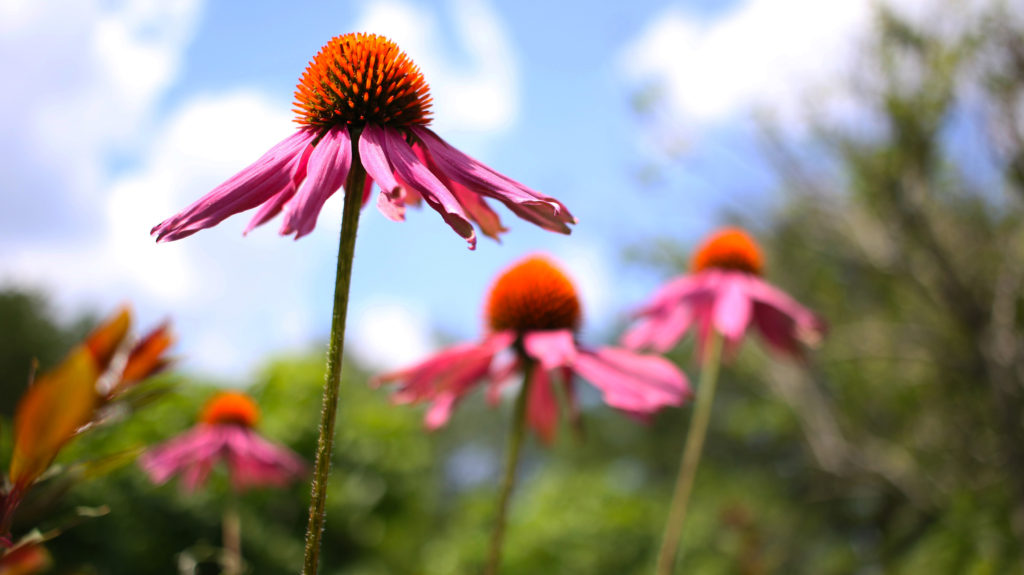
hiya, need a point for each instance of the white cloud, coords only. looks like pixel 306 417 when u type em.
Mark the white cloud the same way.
pixel 774 55
pixel 481 95
pixel 84 79
pixel 78 224
pixel 388 334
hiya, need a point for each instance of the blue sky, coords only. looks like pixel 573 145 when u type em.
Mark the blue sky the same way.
pixel 121 113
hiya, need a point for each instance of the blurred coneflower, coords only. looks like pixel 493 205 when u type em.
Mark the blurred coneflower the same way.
pixel 224 434
pixel 534 312
pixel 725 294
pixel 721 299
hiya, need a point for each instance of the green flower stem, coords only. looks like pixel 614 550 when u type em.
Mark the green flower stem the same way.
pixel 691 456
pixel 349 221
pixel 515 443
pixel 231 537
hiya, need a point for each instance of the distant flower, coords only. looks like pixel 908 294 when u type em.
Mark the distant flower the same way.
pixel 224 434
pixel 724 293
pixel 533 310
pixel 362 87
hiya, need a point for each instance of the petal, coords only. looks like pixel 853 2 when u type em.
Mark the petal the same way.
pixel 440 411
pixel 192 453
pixel 542 210
pixel 542 406
pixel 474 204
pixel 328 167
pixel 660 331
pixel 247 189
pixel 253 461
pixel 417 176
pixel 633 382
pixel 732 307
pixel 810 327
pixel 551 348
pixel 375 160
pixel 273 206
pixel 446 377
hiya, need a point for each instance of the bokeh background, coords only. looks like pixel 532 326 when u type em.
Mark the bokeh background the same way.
pixel 876 149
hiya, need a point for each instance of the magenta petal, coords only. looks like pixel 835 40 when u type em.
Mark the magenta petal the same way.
pixel 732 307
pixel 375 160
pixel 254 462
pixel 391 201
pixel 542 210
pixel 273 206
pixel 447 376
pixel 660 331
pixel 417 176
pixel 635 383
pixel 327 169
pixel 254 185
pixel 440 411
pixel 551 348
pixel 542 406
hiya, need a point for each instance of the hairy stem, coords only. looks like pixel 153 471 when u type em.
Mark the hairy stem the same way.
pixel 349 221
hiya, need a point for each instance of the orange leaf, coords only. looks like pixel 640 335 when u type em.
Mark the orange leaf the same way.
pixel 146 358
pixel 54 407
pixel 104 341
pixel 25 559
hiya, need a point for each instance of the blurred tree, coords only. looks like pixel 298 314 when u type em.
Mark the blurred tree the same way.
pixel 30 332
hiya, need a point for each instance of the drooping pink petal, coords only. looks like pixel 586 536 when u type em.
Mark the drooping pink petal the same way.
pixel 777 329
pixel 660 330
pixel 375 159
pixel 440 410
pixel 475 205
pixel 633 382
pixel 273 206
pixel 542 406
pixel 732 307
pixel 326 171
pixel 259 182
pixel 255 462
pixel 551 348
pixel 809 327
pixel 444 378
pixel 251 460
pixel 542 210
pixel 414 174
pixel 391 201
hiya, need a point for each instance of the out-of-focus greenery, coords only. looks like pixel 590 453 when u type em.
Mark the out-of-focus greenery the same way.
pixel 898 447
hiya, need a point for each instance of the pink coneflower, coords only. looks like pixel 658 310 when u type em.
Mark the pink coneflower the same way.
pixel 533 314
pixel 224 434
pixel 533 310
pixel 725 293
pixel 361 88
pixel 722 297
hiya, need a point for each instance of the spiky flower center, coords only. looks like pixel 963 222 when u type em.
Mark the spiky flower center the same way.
pixel 362 78
pixel 230 407
pixel 730 249
pixel 533 295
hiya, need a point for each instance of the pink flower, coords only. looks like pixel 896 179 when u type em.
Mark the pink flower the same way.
pixel 225 434
pixel 361 99
pixel 533 312
pixel 726 294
